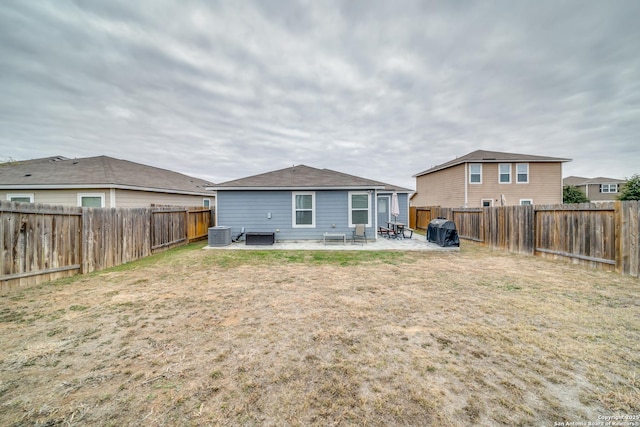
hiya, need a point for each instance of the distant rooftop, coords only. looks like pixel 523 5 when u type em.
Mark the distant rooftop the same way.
pixel 100 171
pixel 482 156
pixel 579 180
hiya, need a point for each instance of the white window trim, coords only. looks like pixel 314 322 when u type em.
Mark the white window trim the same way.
pixel 500 173
pixel 469 178
pixel 608 186
pixel 21 195
pixel 353 193
pixel 486 200
pixel 206 203
pixel 526 200
pixel 313 209
pixel 81 195
pixel 517 178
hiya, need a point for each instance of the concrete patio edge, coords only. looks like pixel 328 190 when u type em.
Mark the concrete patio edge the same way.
pixel 381 244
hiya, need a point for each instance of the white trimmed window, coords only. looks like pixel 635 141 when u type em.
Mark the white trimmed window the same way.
pixel 20 197
pixel 206 203
pixel 91 200
pixel 475 173
pixel 487 203
pixel 522 173
pixel 608 188
pixel 504 171
pixel 304 209
pixel 359 209
pixel 526 202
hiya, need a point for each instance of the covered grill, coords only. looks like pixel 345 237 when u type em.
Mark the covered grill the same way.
pixel 443 232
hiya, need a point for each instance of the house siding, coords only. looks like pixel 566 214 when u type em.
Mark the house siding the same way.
pixel 250 209
pixel 442 188
pixel 123 198
pixel 61 197
pixel 544 186
pixel 135 199
pixel 593 193
pixel 446 187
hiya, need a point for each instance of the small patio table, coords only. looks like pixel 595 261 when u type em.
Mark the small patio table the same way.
pixel 398 229
pixel 342 236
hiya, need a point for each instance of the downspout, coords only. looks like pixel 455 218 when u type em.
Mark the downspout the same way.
pixel 215 214
pixel 112 197
pixel 375 214
pixel 466 185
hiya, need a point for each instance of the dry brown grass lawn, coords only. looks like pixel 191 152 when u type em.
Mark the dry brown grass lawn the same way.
pixel 195 337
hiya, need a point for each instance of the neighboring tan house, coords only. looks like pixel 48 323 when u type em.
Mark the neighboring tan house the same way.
pixel 99 182
pixel 596 189
pixel 302 203
pixel 490 178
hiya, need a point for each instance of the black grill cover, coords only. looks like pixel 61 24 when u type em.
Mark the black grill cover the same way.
pixel 443 232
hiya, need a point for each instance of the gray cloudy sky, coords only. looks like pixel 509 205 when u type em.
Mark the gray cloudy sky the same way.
pixel 380 89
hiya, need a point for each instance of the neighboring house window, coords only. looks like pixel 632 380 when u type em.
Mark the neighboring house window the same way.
pixel 24 198
pixel 505 173
pixel 304 210
pixel 91 200
pixel 526 202
pixel 206 203
pixel 608 188
pixel 475 173
pixel 522 173
pixel 487 203
pixel 359 209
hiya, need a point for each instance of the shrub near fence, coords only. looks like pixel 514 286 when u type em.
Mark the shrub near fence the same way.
pixel 41 243
pixel 604 235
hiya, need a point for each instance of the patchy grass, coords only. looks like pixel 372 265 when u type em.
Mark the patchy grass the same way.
pixel 192 337
pixel 231 259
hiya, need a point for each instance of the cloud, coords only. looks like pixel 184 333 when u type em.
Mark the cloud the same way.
pixel 223 90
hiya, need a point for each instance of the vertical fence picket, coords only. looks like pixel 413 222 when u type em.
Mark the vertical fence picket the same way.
pixel 604 235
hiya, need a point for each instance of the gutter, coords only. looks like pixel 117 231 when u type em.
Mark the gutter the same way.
pixel 307 188
pixel 100 186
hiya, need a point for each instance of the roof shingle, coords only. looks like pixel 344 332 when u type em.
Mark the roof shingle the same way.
pixel 301 176
pixel 101 171
pixel 482 156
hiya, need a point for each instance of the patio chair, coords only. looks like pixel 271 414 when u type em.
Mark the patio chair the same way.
pixel 359 234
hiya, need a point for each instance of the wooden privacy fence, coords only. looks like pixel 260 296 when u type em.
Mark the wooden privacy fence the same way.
pixel 41 243
pixel 603 235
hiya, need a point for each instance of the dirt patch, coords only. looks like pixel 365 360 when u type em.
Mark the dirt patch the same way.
pixel 197 337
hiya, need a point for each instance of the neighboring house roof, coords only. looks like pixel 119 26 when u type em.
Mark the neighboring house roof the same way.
pixel 574 180
pixel 482 156
pixel 579 180
pixel 96 172
pixel 305 177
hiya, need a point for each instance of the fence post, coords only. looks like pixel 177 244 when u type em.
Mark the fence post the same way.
pixel 186 225
pixel 84 236
pixel 618 219
pixel 152 229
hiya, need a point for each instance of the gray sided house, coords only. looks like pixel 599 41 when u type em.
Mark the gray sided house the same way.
pixel 302 203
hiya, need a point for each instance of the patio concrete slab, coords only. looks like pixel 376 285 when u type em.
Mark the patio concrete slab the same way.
pixel 416 243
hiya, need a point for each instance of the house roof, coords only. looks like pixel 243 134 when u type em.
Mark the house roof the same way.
pixel 305 177
pixel 579 180
pixel 574 180
pixel 482 156
pixel 96 172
